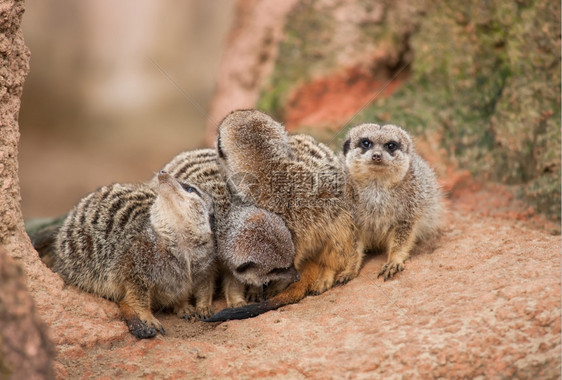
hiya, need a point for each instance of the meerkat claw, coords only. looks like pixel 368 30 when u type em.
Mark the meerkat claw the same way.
pixel 255 294
pixel 390 269
pixel 204 313
pixel 140 329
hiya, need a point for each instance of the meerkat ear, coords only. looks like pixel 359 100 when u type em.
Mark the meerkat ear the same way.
pixel 346 145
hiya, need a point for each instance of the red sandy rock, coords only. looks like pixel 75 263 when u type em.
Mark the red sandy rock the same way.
pixel 332 100
pixel 248 59
pixel 485 302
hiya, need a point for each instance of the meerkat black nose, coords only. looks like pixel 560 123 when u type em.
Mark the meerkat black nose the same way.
pixel 377 157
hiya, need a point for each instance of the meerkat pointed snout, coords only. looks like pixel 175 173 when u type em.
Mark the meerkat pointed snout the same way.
pixel 180 203
pixel 254 254
pixel 397 196
pixel 302 181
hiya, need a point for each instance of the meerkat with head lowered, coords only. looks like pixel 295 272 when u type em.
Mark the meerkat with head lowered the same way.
pixel 397 196
pixel 144 247
pixel 253 244
pixel 302 181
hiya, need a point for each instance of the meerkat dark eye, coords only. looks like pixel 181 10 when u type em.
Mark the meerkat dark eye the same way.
pixel 244 267
pixel 189 189
pixel 365 143
pixel 391 146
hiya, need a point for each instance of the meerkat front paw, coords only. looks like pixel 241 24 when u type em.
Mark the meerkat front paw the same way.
pixel 389 269
pixel 151 321
pixel 254 293
pixel 203 312
pixel 145 326
pixel 185 311
pixel 324 281
pixel 345 276
pixel 234 305
pixel 140 329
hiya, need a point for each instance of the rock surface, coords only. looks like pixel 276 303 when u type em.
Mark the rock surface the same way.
pixel 250 52
pixel 484 75
pixel 25 350
pixel 484 302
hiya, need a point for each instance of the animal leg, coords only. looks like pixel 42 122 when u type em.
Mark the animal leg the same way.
pixel 402 240
pixel 233 291
pixel 135 308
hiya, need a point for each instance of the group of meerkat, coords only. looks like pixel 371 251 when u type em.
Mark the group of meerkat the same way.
pixel 273 216
pixel 378 195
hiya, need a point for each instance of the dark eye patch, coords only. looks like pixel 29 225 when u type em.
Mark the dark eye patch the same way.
pixel 365 143
pixel 246 266
pixel 391 146
pixel 278 270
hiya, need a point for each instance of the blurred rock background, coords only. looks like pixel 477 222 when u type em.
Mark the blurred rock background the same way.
pixel 116 89
pixel 478 82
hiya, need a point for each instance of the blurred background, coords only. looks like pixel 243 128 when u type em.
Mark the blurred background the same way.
pixel 116 89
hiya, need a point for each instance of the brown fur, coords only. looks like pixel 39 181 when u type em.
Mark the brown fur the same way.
pixel 254 245
pixel 142 247
pixel 396 193
pixel 303 181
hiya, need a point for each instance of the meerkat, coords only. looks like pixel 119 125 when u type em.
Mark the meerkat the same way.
pixel 302 181
pixel 144 247
pixel 254 245
pixel 397 196
pixel 259 250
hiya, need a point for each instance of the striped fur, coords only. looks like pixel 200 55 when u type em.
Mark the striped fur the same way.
pixel 142 246
pixel 269 259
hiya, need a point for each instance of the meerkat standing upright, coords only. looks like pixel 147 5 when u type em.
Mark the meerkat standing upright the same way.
pixel 397 196
pixel 302 181
pixel 143 247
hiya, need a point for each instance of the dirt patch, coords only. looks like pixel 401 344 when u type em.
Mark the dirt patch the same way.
pixel 329 102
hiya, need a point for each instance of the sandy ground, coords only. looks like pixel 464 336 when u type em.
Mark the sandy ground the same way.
pixel 484 302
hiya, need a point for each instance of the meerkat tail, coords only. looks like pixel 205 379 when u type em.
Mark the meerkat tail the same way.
pixel 43 231
pixel 43 234
pixel 293 294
